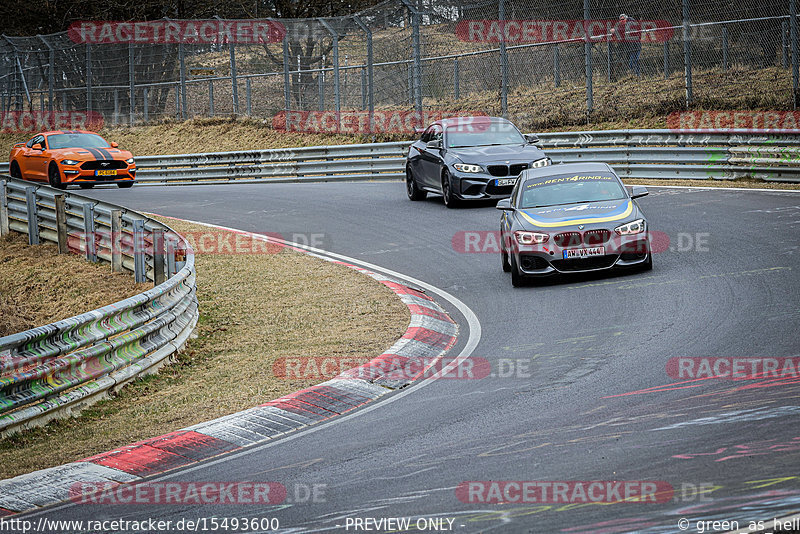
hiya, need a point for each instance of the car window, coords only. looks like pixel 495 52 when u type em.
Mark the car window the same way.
pixel 436 133
pixel 483 133
pixel 35 139
pixel 427 135
pixel 571 189
pixel 77 140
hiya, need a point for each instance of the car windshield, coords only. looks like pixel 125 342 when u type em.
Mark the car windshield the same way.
pixel 76 140
pixel 571 189
pixel 483 133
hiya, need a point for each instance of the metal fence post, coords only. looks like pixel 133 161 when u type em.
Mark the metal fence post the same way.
pixel 610 60
pixel 666 60
pixel 139 266
pixel 145 104
pixel 793 39
pixel 41 102
pixel 51 77
pixel 687 53
pixel 131 86
pixel 287 91
pixel 363 88
pixel 116 107
pixel 370 76
pixel 587 52
pixel 724 48
pixel 89 234
pixel 4 229
pixel 321 80
pixel 211 98
pixel 116 241
pixel 456 88
pixel 234 81
pixel 61 224
pixel 182 62
pixel 784 46
pixel 158 256
pixel 88 77
pixel 417 72
pixel 501 15
pixel 247 96
pixel 33 215
pixel 177 99
pixel 336 87
pixel 556 66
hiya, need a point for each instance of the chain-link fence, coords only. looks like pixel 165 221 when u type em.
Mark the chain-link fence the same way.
pixel 541 63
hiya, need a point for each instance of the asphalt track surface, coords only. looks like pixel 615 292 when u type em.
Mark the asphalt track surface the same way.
pixel 589 398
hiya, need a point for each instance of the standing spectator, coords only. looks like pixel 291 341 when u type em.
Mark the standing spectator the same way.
pixel 628 33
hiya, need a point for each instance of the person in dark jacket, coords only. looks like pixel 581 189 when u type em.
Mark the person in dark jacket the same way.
pixel 628 32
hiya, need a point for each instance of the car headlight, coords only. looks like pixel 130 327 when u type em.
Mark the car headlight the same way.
pixel 129 161
pixel 544 162
pixel 633 227
pixel 68 162
pixel 467 167
pixel 530 238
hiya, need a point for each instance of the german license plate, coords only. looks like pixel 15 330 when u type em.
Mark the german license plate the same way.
pixel 501 182
pixel 572 253
pixel 109 172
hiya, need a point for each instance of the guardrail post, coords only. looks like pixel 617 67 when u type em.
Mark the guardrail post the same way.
pixel 170 253
pixel 61 224
pixel 33 216
pixel 159 276
pixel 139 266
pixel 116 241
pixel 89 234
pixel 4 229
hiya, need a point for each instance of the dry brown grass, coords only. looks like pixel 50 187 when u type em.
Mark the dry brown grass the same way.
pixel 39 286
pixel 254 309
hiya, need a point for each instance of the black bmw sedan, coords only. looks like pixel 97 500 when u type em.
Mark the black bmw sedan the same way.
pixel 470 158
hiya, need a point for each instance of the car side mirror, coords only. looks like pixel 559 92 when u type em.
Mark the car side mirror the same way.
pixel 37 146
pixel 638 191
pixel 504 204
pixel 434 145
pixel 532 139
pixel 114 144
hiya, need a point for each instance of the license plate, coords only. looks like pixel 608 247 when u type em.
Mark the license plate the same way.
pixel 110 172
pixel 500 182
pixel 572 253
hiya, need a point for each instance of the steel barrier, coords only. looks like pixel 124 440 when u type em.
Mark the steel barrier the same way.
pixel 55 370
pixel 643 154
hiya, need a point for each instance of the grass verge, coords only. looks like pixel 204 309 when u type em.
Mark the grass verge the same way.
pixel 40 286
pixel 254 309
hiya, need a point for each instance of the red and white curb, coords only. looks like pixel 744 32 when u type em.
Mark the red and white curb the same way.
pixel 430 334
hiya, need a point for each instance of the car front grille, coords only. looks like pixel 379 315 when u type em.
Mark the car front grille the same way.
pixel 567 239
pixel 507 170
pixel 103 164
pixel 596 237
pixel 585 264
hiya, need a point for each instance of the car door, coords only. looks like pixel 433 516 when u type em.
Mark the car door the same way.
pixel 431 161
pixel 34 161
pixel 415 152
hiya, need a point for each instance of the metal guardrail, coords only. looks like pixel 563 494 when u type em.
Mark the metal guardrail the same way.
pixel 54 370
pixel 643 154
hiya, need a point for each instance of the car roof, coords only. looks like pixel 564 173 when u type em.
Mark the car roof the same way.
pixel 457 120
pixel 55 132
pixel 566 168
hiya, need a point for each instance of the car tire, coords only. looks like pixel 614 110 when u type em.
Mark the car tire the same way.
pixel 86 186
pixel 14 170
pixel 54 177
pixel 506 262
pixel 412 190
pixel 517 280
pixel 450 199
pixel 125 185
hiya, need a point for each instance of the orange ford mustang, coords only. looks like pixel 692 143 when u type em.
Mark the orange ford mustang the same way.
pixel 72 157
